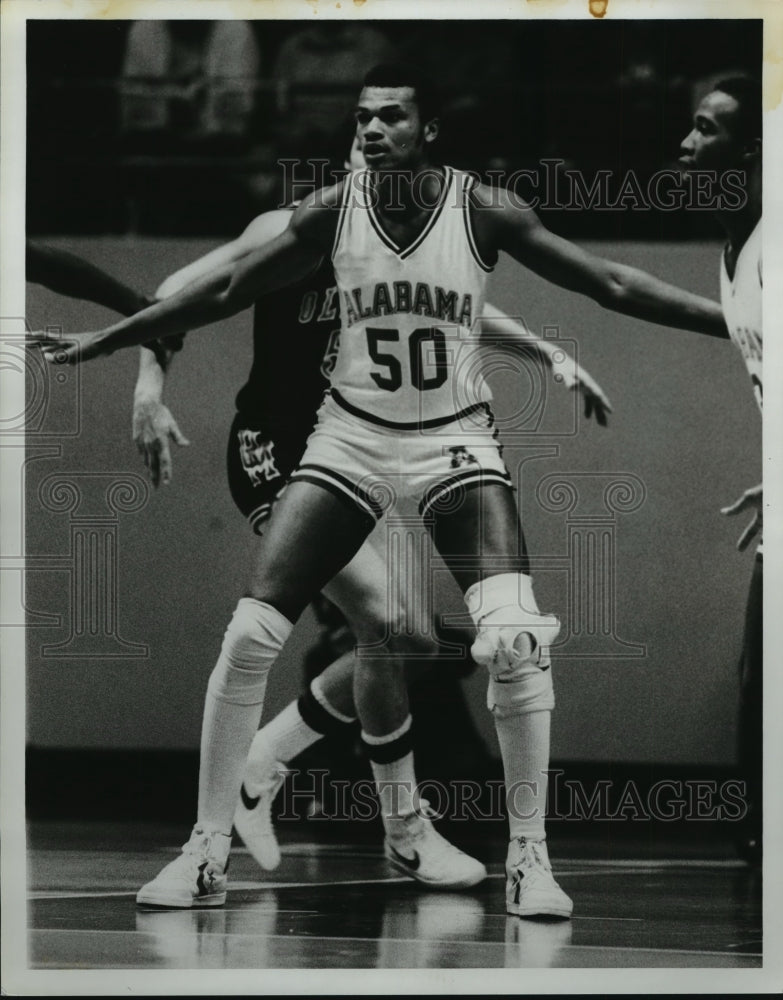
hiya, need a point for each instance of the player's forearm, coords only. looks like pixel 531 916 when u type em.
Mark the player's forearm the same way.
pixel 200 304
pixel 69 275
pixel 636 293
pixel 497 329
pixel 219 295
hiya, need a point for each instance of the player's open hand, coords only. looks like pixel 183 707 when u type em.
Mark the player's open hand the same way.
pixel 154 428
pixel 69 349
pixel 595 399
pixel 751 499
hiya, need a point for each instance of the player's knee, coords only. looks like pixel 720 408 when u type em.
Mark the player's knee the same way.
pixel 255 636
pixel 531 691
pixel 375 621
pixel 512 642
pixel 256 629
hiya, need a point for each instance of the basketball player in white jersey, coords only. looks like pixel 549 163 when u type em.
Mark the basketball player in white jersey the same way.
pixel 726 135
pixel 412 244
pixel 363 589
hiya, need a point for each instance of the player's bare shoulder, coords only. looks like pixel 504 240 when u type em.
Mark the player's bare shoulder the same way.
pixel 315 219
pixel 498 216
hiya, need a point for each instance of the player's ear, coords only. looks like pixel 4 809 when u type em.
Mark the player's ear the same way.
pixel 431 130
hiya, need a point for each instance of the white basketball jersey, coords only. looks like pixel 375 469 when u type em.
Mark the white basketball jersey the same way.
pixel 741 301
pixel 408 357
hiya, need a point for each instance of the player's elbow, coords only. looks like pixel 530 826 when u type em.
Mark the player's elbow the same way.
pixel 611 290
pixel 230 297
pixel 168 288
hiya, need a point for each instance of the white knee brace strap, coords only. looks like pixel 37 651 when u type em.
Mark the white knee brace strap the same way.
pixel 252 642
pixel 505 613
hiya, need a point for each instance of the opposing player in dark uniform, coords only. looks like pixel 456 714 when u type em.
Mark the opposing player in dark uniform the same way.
pixel 398 410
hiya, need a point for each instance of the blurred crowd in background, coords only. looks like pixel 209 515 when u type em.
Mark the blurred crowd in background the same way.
pixel 179 127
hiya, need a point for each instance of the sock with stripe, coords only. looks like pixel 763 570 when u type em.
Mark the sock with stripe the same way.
pixel 300 724
pixel 391 759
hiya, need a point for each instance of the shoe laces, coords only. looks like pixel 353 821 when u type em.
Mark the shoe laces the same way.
pixel 425 811
pixel 200 845
pixel 533 855
pixel 267 786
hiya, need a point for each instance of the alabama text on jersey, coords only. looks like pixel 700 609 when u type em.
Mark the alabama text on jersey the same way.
pixel 408 356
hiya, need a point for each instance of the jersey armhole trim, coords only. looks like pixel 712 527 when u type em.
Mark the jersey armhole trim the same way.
pixel 470 183
pixel 343 212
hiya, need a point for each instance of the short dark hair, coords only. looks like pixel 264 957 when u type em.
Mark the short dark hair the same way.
pixel 746 91
pixel 404 75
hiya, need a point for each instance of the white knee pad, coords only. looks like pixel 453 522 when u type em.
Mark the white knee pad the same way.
pixel 507 617
pixel 252 642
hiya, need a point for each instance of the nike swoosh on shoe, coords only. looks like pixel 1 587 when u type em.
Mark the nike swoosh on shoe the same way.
pixel 412 863
pixel 247 801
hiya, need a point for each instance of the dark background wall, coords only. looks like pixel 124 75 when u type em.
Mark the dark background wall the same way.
pixel 685 426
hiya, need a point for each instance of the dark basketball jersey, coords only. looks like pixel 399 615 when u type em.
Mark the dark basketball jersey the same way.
pixel 295 333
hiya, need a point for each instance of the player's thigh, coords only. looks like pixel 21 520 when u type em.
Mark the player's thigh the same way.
pixel 478 533
pixel 310 537
pixel 363 591
pixel 374 591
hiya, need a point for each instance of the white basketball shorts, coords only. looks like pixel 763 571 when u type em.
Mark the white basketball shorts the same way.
pixel 373 466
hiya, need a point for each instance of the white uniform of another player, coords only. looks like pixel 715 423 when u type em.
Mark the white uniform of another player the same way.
pixel 741 302
pixel 408 403
pixel 740 298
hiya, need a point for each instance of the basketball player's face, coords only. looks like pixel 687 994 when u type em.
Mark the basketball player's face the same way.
pixel 390 130
pixel 712 144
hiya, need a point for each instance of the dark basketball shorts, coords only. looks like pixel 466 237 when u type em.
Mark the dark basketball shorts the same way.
pixel 259 462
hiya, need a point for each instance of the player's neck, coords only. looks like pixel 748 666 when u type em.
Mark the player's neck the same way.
pixel 403 193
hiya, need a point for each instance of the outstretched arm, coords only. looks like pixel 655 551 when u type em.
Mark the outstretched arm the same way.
pixel 497 329
pixel 222 293
pixel 154 426
pixel 67 274
pixel 510 226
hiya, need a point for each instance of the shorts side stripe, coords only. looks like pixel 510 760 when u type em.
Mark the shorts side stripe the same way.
pixel 260 514
pixel 339 485
pixel 464 480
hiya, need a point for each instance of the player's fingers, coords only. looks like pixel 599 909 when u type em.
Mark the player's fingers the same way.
pixel 588 405
pixel 164 463
pixel 177 434
pixel 40 341
pixel 62 354
pixel 749 534
pixel 153 465
pixel 600 413
pixel 738 506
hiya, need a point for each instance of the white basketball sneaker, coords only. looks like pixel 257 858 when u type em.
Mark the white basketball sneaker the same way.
pixel 531 890
pixel 415 848
pixel 196 878
pixel 253 816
